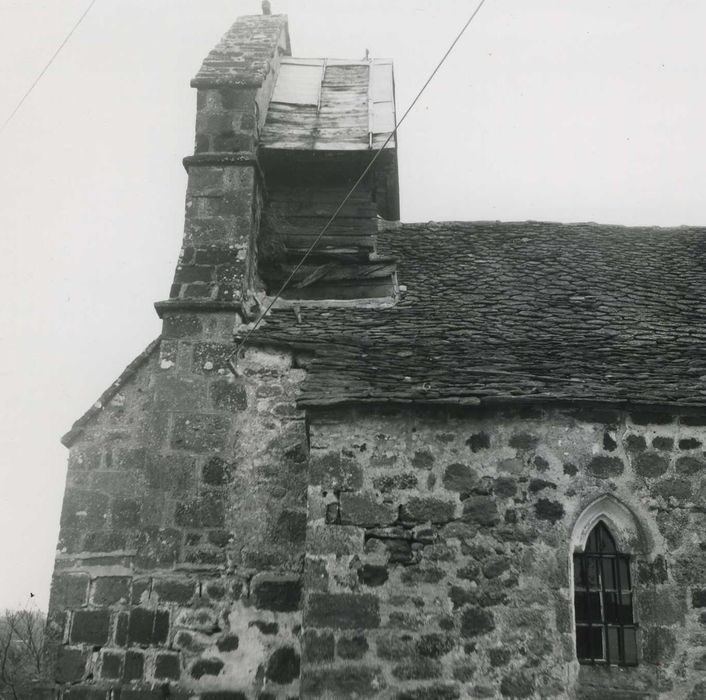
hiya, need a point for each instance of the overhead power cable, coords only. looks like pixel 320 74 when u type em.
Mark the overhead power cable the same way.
pixel 46 68
pixel 360 179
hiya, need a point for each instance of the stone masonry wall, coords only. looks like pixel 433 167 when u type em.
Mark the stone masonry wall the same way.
pixel 182 531
pixel 438 553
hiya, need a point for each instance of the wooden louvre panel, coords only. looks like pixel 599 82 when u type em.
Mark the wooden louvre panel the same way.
pixel 382 98
pixel 299 82
pixel 331 105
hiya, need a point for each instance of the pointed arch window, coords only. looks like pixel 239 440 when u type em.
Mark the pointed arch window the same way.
pixel 603 602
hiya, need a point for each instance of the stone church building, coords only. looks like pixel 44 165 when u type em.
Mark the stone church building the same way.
pixel 456 460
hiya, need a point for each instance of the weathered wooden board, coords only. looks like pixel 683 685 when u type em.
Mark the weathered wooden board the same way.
pixel 327 105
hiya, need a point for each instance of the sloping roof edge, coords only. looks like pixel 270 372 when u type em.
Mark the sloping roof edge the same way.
pixel 103 400
pixel 313 400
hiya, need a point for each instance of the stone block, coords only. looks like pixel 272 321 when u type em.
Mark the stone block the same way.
pixel 334 539
pixel 228 396
pixel 458 530
pixel 217 472
pixel 499 657
pixel 352 648
pixel 205 181
pixel 651 573
pixel 635 443
pixel 283 666
pixel 659 645
pixel 198 432
pixel 698 692
pixel 393 482
pixel 663 443
pixel 553 511
pixel 186 274
pixel 69 591
pixel 207 230
pixel 206 510
pixel 167 667
pixel 435 645
pixel 342 611
pixel 206 667
pixel 523 441
pixel 537 485
pixel 689 465
pixel 363 510
pixel 478 442
pixel 698 598
pixel 664 607
pixel 417 668
pixel 517 684
pixel 290 528
pixel 673 488
pixel 181 325
pixel 372 575
pixel 394 647
pixel 476 621
pixel 334 472
pixel 506 486
pixel 210 358
pixel 317 647
pixel 84 509
pixel 423 459
pixel 651 418
pixel 78 692
pixel 417 575
pixel 421 510
pixel 157 547
pixel 651 464
pixel 110 665
pixel 215 255
pixel 481 510
pixel 431 692
pixel 134 666
pixel 110 590
pixel 231 641
pixel 70 664
pixel 605 467
pixel 174 590
pixel 346 683
pixel 147 627
pixel 102 541
pixel 276 593
pixel 90 627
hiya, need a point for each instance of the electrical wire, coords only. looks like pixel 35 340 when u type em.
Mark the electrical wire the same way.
pixel 360 179
pixel 46 68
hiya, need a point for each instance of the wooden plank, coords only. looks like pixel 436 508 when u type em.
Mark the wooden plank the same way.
pixel 330 272
pixel 339 226
pixel 302 243
pixel 298 84
pixel 294 209
pixel 340 290
pixel 319 193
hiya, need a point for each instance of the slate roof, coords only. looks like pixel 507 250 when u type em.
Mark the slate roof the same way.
pixel 508 312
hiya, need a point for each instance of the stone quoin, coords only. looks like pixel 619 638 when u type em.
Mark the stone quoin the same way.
pixel 456 460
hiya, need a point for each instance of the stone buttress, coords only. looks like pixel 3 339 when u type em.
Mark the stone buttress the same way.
pixel 181 545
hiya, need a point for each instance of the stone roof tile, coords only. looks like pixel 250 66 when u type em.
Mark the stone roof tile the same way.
pixel 497 312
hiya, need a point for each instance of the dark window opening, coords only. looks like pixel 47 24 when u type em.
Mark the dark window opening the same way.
pixel 603 602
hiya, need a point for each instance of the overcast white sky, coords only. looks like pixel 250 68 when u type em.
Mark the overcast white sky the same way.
pixel 553 110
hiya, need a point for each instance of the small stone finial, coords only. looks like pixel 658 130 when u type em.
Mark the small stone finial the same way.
pixel 266 7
